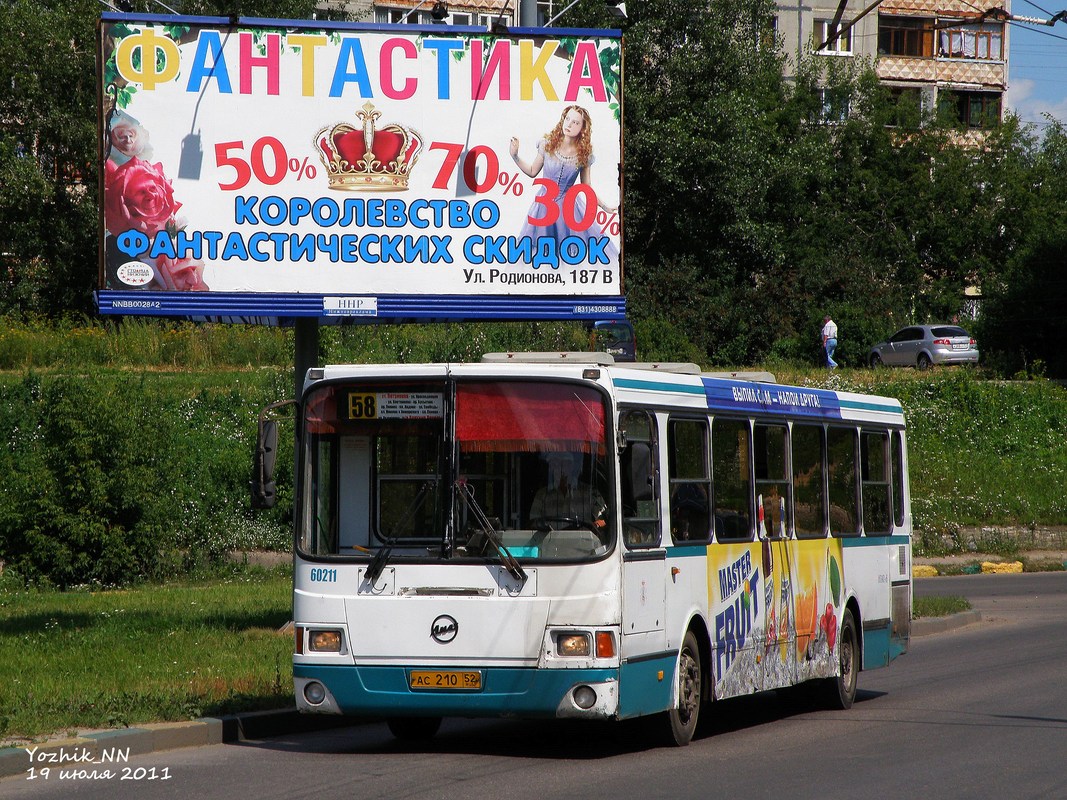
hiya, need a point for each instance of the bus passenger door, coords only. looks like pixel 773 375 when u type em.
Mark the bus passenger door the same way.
pixel 770 466
pixel 647 668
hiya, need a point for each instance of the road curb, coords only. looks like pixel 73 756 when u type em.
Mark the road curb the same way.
pixel 925 626
pixel 105 749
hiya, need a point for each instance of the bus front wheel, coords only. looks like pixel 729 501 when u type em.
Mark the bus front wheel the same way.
pixel 414 729
pixel 841 690
pixel 680 723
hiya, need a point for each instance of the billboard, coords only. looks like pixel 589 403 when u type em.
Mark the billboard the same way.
pixel 265 167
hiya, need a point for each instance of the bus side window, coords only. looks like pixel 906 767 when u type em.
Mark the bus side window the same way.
pixel 809 509
pixel 640 505
pixel 874 485
pixel 731 479
pixel 689 480
pixel 772 479
pixel 841 464
pixel 898 477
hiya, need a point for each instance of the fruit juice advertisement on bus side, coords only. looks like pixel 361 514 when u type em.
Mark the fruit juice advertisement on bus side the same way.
pixel 276 157
pixel 775 606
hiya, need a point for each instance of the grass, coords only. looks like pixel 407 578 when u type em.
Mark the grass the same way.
pixel 924 607
pixel 82 659
pixel 139 343
pixel 162 344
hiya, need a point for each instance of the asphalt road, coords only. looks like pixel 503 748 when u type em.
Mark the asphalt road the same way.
pixel 979 712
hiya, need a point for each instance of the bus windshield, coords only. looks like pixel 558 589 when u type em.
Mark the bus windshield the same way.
pixel 454 470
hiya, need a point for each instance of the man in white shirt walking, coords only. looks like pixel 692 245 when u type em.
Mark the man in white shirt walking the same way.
pixel 829 341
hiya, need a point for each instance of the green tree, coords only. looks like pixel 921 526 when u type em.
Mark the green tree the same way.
pixel 703 86
pixel 48 147
pixel 1023 314
pixel 47 142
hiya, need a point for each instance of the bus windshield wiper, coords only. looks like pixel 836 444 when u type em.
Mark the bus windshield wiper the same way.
pixel 381 558
pixel 491 534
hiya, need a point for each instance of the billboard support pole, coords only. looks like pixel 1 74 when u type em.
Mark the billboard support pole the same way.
pixel 306 351
pixel 305 356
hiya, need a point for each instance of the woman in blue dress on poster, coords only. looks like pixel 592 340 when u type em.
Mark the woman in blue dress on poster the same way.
pixel 564 157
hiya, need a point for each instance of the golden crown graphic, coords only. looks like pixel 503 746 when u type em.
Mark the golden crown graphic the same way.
pixel 368 158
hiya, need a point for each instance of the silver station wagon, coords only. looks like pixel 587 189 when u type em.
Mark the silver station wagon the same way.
pixel 922 346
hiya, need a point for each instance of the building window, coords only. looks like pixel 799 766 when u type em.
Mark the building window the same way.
pixel 422 16
pixel 971 109
pixel 984 41
pixel 393 16
pixel 835 104
pixel 838 37
pixel 905 36
pixel 908 104
pixel 768 34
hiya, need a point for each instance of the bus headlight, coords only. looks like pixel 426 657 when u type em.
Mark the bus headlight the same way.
pixel 328 641
pixel 573 644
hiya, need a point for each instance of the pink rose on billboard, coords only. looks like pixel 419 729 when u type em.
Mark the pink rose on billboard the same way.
pixel 137 196
pixel 182 274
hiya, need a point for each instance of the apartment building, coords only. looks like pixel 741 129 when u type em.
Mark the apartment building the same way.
pixel 951 55
pixel 481 13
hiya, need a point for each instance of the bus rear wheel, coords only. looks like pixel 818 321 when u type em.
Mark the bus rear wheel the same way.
pixel 414 729
pixel 680 723
pixel 840 691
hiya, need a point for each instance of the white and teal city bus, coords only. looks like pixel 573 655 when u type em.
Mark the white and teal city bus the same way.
pixel 558 536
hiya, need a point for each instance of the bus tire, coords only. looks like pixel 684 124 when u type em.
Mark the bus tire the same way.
pixel 840 691
pixel 413 729
pixel 680 723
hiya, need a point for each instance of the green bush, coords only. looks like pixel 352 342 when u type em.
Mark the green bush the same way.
pixel 975 445
pixel 113 478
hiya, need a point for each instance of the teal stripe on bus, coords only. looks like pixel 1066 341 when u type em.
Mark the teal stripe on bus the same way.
pixel 657 386
pixel 873 541
pixel 860 405
pixel 687 551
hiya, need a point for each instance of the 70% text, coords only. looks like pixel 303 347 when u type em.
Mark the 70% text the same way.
pixel 578 217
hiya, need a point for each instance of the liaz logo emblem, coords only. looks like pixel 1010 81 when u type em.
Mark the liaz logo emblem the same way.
pixel 444 629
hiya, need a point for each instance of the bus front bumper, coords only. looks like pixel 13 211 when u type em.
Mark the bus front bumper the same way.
pixel 504 692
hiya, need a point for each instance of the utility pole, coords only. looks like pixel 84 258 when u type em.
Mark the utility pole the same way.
pixel 528 13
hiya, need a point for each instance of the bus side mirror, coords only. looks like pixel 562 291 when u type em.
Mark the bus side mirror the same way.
pixel 264 492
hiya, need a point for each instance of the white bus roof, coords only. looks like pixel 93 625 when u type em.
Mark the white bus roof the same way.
pixel 661 384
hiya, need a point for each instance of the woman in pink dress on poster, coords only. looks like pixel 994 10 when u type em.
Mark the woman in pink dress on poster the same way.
pixel 564 157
